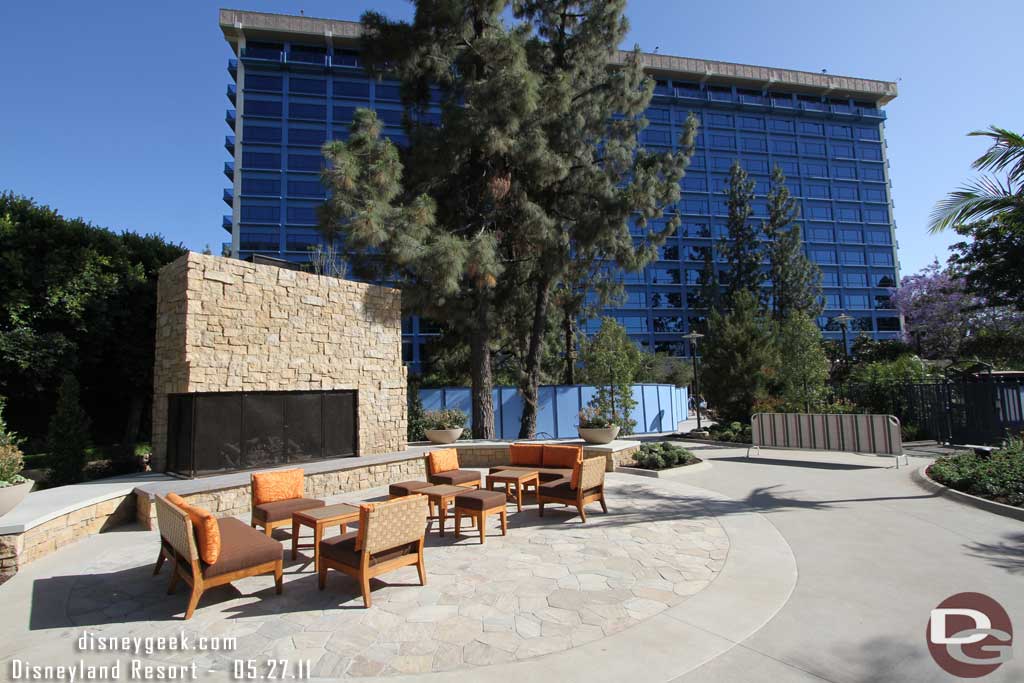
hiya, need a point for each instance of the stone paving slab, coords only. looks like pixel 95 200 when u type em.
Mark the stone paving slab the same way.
pixel 553 585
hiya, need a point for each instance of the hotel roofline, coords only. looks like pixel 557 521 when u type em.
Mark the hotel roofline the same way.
pixel 330 32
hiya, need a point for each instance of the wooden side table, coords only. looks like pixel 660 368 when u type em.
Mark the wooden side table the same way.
pixel 521 478
pixel 319 519
pixel 441 496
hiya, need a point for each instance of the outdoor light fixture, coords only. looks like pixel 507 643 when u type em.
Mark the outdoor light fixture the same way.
pixel 693 338
pixel 844 321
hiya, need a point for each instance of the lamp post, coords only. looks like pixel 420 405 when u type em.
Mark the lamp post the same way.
pixel 693 337
pixel 844 321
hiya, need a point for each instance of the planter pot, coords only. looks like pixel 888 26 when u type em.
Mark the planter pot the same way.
pixel 444 435
pixel 599 435
pixel 10 496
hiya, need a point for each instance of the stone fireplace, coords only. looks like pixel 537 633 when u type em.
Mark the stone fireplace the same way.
pixel 259 366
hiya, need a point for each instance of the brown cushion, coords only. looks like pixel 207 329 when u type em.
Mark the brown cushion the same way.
pixel 241 547
pixel 561 488
pixel 404 488
pixel 480 500
pixel 456 477
pixel 283 509
pixel 343 549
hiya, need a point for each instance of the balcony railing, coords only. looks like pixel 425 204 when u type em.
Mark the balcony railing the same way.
pixel 230 116
pixel 306 58
pixel 225 222
pixel 229 143
pixel 233 68
pixel 262 54
pixel 229 169
pixel 232 92
pixel 229 196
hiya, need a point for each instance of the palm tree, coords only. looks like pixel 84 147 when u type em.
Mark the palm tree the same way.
pixel 987 196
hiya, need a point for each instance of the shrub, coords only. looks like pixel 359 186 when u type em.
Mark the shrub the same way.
pixel 11 460
pixel 734 432
pixel 592 418
pixel 416 424
pixel 68 436
pixel 662 455
pixel 444 419
pixel 998 477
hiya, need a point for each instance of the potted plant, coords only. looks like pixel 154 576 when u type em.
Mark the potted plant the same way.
pixel 444 426
pixel 596 427
pixel 13 486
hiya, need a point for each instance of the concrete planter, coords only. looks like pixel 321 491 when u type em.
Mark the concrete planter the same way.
pixel 10 496
pixel 444 436
pixel 599 435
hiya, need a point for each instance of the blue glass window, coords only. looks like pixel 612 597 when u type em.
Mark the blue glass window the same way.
pixel 781 125
pixel 871 153
pixel 309 86
pixel 266 160
pixel 263 108
pixel 261 214
pixel 872 173
pixel 302 215
pixel 302 110
pixel 263 186
pixel 855 279
pixel 252 133
pixel 306 136
pixel 305 188
pixel 260 82
pixel 360 89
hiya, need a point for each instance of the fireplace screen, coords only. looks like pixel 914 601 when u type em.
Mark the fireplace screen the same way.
pixel 215 432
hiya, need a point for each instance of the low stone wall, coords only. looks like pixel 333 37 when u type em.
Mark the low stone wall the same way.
pixel 235 500
pixel 17 550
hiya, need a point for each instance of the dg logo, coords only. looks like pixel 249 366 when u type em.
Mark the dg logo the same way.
pixel 970 635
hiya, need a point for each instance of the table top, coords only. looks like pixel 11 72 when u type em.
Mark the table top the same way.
pixel 514 474
pixel 442 490
pixel 329 513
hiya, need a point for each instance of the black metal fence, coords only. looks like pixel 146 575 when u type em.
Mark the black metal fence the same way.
pixel 951 411
pixel 216 432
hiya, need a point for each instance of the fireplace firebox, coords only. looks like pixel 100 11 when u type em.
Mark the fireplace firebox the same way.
pixel 216 432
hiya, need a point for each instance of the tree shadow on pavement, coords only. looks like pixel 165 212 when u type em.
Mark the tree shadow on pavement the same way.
pixel 1008 555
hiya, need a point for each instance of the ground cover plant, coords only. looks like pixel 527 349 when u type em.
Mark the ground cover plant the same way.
pixel 998 477
pixel 664 455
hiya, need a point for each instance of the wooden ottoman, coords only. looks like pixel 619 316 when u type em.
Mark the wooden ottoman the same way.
pixel 405 488
pixel 477 505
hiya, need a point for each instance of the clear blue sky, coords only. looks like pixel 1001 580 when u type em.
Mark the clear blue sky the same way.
pixel 114 110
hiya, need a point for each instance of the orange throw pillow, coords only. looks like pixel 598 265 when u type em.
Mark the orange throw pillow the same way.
pixel 364 517
pixel 443 460
pixel 563 456
pixel 205 526
pixel 270 487
pixel 529 454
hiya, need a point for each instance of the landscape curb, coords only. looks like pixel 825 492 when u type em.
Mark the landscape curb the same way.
pixel 921 478
pixel 667 473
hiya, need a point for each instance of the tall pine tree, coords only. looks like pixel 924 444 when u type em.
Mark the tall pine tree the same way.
pixel 795 280
pixel 742 250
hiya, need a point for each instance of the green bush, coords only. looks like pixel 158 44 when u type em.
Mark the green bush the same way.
pixel 998 477
pixel 662 455
pixel 444 419
pixel 11 460
pixel 734 432
pixel 591 417
pixel 68 436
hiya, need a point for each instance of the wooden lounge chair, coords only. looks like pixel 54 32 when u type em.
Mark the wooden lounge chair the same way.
pixel 275 495
pixel 589 488
pixel 242 552
pixel 390 537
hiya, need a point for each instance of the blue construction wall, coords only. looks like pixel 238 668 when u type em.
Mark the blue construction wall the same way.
pixel 659 408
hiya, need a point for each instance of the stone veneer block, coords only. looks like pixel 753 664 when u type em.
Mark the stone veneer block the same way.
pixel 228 325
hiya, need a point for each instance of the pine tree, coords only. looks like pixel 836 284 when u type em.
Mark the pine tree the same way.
pixel 710 287
pixel 527 169
pixel 738 356
pixel 742 250
pixel 803 365
pixel 796 281
pixel 68 436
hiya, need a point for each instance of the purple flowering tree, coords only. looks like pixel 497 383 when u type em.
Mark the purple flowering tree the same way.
pixel 940 315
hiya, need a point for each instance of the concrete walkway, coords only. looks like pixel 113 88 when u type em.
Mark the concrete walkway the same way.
pixel 875 553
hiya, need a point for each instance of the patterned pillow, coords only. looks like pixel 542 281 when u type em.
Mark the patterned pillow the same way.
pixel 528 454
pixel 270 487
pixel 443 460
pixel 205 526
pixel 364 516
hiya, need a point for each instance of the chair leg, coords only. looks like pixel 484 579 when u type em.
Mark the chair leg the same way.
pixel 540 507
pixel 174 578
pixel 458 521
pixel 322 577
pixel 504 523
pixel 481 522
pixel 159 562
pixel 268 530
pixel 420 567
pixel 604 506
pixel 197 592
pixel 583 513
pixel 279 576
pixel 364 582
